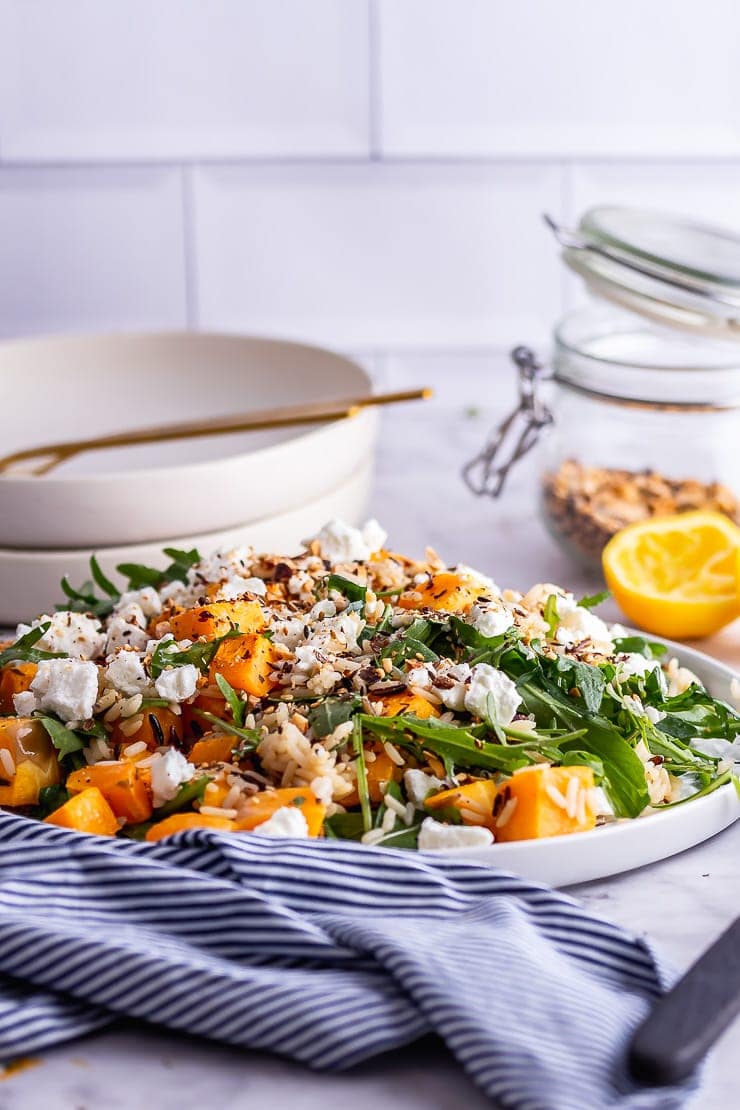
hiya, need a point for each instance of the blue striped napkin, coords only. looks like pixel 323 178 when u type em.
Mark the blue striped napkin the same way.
pixel 326 952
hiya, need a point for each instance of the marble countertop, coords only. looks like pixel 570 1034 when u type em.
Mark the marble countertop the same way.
pixel 681 904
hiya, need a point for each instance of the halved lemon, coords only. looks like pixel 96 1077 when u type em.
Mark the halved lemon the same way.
pixel 677 575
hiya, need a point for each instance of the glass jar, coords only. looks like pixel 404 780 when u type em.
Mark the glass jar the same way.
pixel 639 412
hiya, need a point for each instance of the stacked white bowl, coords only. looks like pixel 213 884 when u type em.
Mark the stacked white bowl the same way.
pixel 267 489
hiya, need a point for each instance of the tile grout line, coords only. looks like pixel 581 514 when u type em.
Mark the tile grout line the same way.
pixel 192 307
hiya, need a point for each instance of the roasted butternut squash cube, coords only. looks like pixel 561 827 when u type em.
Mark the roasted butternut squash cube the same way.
pixel 246 664
pixel 15 678
pixel 207 622
pixel 380 769
pixel 548 801
pixel 32 757
pixel 409 703
pixel 123 786
pixel 179 821
pixel 446 591
pixel 213 749
pixel 474 801
pixel 260 807
pixel 87 812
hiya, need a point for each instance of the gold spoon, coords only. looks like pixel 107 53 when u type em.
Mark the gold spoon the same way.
pixel 49 455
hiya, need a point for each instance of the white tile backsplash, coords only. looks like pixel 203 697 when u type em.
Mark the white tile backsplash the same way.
pixel 573 78
pixel 101 79
pixel 90 250
pixel 369 174
pixel 378 255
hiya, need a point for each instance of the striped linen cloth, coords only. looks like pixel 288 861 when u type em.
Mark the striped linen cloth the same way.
pixel 325 952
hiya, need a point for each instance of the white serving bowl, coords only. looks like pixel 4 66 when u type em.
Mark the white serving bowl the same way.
pixel 78 387
pixel 29 579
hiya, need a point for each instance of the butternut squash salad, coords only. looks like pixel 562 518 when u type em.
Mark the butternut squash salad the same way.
pixel 348 692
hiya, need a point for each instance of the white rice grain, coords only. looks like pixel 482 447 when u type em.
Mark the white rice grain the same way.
pixel 393 753
pixel 8 763
pixel 133 749
pixel 555 796
pixel 571 796
pixel 506 813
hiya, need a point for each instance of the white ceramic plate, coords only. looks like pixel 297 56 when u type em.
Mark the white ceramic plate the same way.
pixel 71 388
pixel 29 580
pixel 563 860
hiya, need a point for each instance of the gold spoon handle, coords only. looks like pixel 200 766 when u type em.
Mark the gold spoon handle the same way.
pixel 51 455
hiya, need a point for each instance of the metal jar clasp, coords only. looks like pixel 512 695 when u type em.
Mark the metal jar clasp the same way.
pixel 486 474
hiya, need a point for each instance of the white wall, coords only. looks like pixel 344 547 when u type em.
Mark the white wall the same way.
pixel 369 174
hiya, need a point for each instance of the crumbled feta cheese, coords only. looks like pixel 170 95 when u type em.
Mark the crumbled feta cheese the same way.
pixel 453 697
pixel 177 683
pixel 24 703
pixel 577 623
pixel 75 634
pixel 632 663
pixel 121 633
pixel 67 688
pixel 169 770
pixel 289 631
pixel 147 600
pixel 419 676
pixel 654 715
pixel 323 609
pixel 222 566
pixel 236 587
pixel 374 535
pixel 126 673
pixel 491 694
pixel 341 543
pixel 286 821
pixel 433 835
pixel 490 622
pixel 419 784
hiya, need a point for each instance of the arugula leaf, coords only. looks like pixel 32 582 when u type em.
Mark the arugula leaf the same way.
pixel 64 739
pixel 139 575
pixel 235 703
pixel 249 737
pixel 624 776
pixel 100 579
pixel 23 651
pixel 353 591
pixel 590 601
pixel 551 615
pixel 649 648
pixel 456 746
pixel 50 799
pixel 200 654
pixel 405 837
pixel 345 826
pixel 361 771
pixel 576 758
pixel 189 792
pixel 330 713
pixel 584 677
pixel 413 642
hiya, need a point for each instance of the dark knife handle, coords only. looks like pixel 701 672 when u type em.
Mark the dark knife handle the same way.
pixel 684 1024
